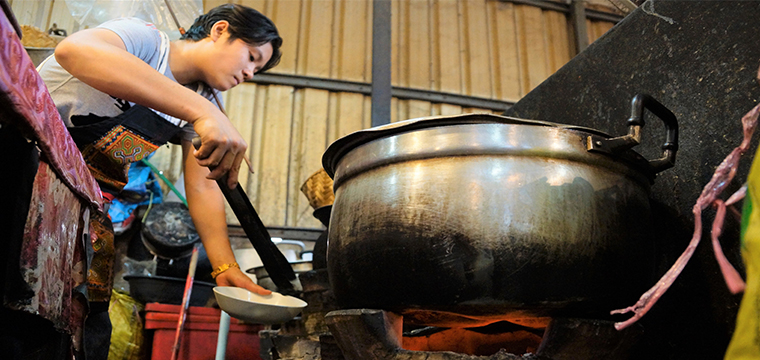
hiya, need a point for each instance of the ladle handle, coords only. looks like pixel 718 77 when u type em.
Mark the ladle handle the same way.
pixel 635 123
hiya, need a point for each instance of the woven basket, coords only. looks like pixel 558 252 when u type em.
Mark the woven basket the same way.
pixel 318 188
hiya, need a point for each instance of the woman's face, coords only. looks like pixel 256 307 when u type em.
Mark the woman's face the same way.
pixel 233 62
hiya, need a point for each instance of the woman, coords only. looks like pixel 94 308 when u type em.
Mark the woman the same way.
pixel 123 90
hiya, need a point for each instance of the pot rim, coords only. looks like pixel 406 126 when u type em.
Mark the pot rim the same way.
pixel 339 148
pixel 262 271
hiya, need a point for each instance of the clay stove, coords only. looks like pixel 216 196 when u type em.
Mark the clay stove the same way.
pixel 324 332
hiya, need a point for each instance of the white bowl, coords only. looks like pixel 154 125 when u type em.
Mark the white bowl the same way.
pixel 258 309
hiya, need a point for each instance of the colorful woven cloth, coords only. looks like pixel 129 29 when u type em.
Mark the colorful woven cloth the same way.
pixel 100 274
pixel 110 145
pixel 109 158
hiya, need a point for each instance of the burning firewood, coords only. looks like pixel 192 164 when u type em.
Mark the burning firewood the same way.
pixel 709 196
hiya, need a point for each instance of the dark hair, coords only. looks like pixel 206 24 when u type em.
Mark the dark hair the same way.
pixel 246 24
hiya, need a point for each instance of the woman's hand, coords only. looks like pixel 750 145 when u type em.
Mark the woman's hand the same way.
pixel 222 147
pixel 235 277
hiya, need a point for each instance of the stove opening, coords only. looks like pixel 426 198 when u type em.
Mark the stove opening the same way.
pixel 515 337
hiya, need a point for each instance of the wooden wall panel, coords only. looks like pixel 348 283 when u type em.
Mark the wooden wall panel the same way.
pixel 399 63
pixel 394 110
pixel 505 58
pixel 476 52
pixel 530 36
pixel 418 109
pixel 401 108
pixel 315 40
pixel 445 42
pixel 353 48
pixel 333 117
pixel 446 109
pixel 274 152
pixel 350 111
pixel 256 138
pixel 596 29
pixel 240 108
pixel 287 16
pixel 558 40
pixel 417 73
pixel 307 143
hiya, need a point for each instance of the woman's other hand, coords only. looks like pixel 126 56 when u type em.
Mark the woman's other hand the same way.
pixel 235 277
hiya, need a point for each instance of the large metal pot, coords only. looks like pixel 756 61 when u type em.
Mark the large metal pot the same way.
pixel 475 218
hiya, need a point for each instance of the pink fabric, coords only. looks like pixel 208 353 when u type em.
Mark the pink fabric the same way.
pixel 709 196
pixel 52 259
pixel 22 87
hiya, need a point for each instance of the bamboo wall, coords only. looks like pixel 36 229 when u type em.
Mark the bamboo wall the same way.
pixel 483 48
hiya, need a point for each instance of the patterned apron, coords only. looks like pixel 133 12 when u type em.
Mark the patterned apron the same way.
pixel 108 147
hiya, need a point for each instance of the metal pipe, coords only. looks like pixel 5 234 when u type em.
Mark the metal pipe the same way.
pixel 578 18
pixel 221 340
pixel 301 81
pixel 565 8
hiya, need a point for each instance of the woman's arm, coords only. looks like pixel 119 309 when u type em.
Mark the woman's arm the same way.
pixel 98 57
pixel 206 205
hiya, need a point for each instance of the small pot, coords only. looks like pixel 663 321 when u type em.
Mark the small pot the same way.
pixel 291 249
pixel 263 279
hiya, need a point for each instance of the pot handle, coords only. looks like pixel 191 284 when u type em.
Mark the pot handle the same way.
pixel 633 138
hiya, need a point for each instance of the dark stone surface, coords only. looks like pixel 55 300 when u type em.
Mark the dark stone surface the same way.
pixel 700 59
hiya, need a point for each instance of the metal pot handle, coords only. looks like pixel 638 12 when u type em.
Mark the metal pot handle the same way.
pixel 635 123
